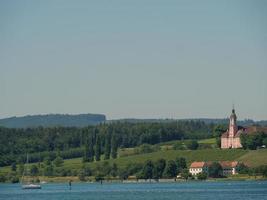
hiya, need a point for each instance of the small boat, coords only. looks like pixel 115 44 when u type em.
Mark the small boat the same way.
pixel 28 185
pixel 31 186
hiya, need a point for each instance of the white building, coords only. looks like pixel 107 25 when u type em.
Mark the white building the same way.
pixel 228 167
pixel 198 167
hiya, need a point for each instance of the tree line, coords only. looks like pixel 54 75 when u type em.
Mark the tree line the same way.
pixel 105 170
pixel 103 139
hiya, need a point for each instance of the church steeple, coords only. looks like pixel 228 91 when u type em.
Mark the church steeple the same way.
pixel 232 124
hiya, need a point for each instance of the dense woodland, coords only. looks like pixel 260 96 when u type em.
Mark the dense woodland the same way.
pixel 92 141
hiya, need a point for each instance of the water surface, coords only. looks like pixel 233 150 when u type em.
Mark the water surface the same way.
pixel 237 190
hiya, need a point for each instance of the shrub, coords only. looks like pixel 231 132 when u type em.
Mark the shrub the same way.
pixel 2 178
pixel 192 145
pixel 215 170
pixel 58 161
pixel 202 176
pixel 185 174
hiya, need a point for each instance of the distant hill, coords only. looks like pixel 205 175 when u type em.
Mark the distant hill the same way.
pixel 81 120
pixel 52 120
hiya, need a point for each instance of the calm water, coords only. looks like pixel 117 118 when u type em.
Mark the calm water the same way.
pixel 187 190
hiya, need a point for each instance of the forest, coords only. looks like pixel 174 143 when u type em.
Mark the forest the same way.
pixel 93 141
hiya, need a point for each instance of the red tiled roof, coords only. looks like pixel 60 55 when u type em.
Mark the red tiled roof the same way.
pixel 228 164
pixel 197 164
pixel 253 129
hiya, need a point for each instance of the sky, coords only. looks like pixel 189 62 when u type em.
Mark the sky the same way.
pixel 134 58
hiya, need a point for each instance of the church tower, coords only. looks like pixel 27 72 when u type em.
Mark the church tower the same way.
pixel 232 125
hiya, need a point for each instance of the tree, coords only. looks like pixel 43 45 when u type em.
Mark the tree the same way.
pixel 202 176
pixel 114 170
pixel 264 142
pixel 2 178
pixel 81 175
pixel 180 164
pixel 192 145
pixel 49 170
pixel 170 170
pixel 58 161
pixel 107 146
pixel 147 171
pixel 114 146
pixel 47 161
pixel 14 166
pixel 252 141
pixel 34 170
pixel 185 173
pixel 241 168
pixel 215 170
pixel 21 168
pixel 123 174
pixel 218 130
pixel 98 148
pixel 89 150
pixel 264 171
pixel 159 167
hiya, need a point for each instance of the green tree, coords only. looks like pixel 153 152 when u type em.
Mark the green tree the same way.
pixel 159 167
pixel 89 149
pixel 114 146
pixel 241 168
pixel 215 170
pixel 192 145
pixel 264 142
pixel 145 148
pixel 49 170
pixel 34 170
pixel 147 171
pixel 123 174
pixel 2 178
pixel 14 166
pixel 114 170
pixel 98 148
pixel 21 168
pixel 87 170
pixel 202 176
pixel 185 173
pixel 170 169
pixel 218 130
pixel 180 164
pixel 107 146
pixel 58 161
pixel 81 175
pixel 47 160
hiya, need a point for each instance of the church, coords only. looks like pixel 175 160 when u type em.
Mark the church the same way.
pixel 231 138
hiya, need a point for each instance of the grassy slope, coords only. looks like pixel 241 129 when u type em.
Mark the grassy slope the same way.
pixel 255 158
pixel 197 155
pixel 252 158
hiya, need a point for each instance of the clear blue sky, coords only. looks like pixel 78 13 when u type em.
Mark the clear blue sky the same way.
pixel 138 58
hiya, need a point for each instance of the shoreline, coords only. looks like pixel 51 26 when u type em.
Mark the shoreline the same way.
pixel 75 179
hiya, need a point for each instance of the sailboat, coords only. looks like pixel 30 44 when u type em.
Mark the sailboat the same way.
pixel 28 184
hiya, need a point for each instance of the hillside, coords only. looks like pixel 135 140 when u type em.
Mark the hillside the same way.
pixel 52 120
pixel 252 158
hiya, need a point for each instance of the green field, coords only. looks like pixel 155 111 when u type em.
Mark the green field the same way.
pixel 252 158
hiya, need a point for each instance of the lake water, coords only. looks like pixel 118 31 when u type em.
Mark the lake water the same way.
pixel 237 190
